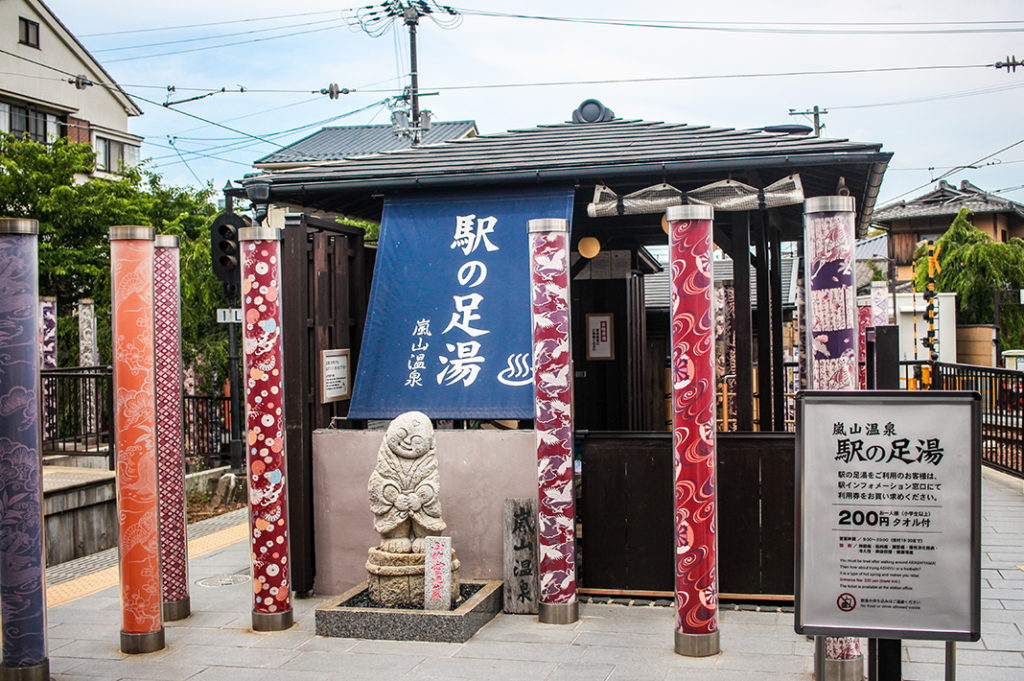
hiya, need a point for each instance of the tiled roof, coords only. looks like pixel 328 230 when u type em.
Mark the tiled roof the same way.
pixel 335 144
pixel 873 248
pixel 946 199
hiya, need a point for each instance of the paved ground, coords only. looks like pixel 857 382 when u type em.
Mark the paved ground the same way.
pixel 609 642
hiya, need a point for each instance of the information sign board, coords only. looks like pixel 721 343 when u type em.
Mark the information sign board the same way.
pixel 888 514
pixel 334 376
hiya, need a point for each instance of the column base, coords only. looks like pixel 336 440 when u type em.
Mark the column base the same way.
pixel 558 613
pixel 149 642
pixel 843 670
pixel 272 621
pixel 697 645
pixel 177 610
pixel 35 672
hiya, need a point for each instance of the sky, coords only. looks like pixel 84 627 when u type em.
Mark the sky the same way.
pixel 936 121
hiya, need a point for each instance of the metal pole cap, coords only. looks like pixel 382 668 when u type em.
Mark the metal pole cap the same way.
pixel 19 226
pixel 260 233
pixel 548 225
pixel 166 241
pixel 122 232
pixel 690 211
pixel 830 204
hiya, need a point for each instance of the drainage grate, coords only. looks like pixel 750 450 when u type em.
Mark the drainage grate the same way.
pixel 224 580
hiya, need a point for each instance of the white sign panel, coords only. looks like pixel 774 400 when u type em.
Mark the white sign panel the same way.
pixel 334 376
pixel 228 315
pixel 600 336
pixel 889 515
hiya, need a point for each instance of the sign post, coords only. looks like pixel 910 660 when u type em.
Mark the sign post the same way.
pixel 888 515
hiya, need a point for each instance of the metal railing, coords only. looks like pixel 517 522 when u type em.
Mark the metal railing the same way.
pixel 207 422
pixel 75 411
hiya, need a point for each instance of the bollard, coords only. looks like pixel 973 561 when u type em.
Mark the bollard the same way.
pixel 22 571
pixel 549 291
pixel 264 417
pixel 131 280
pixel 693 426
pixel 169 435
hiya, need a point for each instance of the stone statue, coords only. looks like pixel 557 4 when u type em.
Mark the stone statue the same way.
pixel 404 486
pixel 404 491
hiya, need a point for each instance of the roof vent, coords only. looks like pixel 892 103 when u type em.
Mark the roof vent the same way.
pixel 592 111
pixel 791 128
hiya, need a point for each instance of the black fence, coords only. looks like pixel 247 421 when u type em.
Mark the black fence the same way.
pixel 207 423
pixel 76 411
pixel 77 419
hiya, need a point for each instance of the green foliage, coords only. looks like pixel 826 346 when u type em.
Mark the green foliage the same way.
pixel 371 230
pixel 974 267
pixel 50 183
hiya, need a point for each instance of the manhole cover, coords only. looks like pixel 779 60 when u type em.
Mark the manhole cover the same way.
pixel 224 580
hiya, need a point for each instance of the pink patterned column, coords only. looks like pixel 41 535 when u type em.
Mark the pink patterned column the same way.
pixel 693 430
pixel 549 291
pixel 264 418
pixel 131 306
pixel 832 324
pixel 863 322
pixel 48 360
pixel 169 437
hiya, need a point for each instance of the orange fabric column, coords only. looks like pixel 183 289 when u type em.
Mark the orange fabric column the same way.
pixel 131 278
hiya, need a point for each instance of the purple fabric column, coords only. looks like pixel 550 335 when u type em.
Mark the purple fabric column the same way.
pixel 264 417
pixel 48 360
pixel 22 579
pixel 169 437
pixel 549 291
pixel 832 324
pixel 693 430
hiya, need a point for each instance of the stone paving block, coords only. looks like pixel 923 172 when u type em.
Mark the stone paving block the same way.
pixel 732 675
pixel 581 672
pixel 228 656
pixel 327 644
pixel 1005 642
pixel 241 674
pixel 640 672
pixel 351 665
pixel 414 648
pixel 96 650
pixel 753 662
pixel 526 629
pixel 604 638
pixel 79 631
pixel 504 650
pixel 136 668
pixel 451 668
pixel 209 637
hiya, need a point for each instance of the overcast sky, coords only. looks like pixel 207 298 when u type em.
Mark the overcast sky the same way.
pixel 969 113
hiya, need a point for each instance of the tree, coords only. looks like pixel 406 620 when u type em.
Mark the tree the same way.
pixel 45 182
pixel 975 267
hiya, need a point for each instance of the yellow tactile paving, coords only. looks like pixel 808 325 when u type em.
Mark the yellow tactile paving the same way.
pixel 66 592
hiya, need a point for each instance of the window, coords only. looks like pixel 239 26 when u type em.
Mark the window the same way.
pixel 28 32
pixel 112 155
pixel 24 120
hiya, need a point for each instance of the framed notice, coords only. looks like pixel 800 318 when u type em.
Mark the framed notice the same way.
pixel 601 336
pixel 335 383
pixel 888 514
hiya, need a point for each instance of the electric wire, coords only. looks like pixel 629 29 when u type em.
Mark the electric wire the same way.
pixel 954 170
pixel 122 48
pixel 742 27
pixel 211 23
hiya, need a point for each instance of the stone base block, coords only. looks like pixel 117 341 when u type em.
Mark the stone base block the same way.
pixel 397 578
pixel 451 626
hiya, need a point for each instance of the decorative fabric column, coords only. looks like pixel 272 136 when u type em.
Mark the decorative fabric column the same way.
pixel 88 350
pixel 829 238
pixel 264 418
pixel 48 360
pixel 693 430
pixel 22 576
pixel 863 323
pixel 169 436
pixel 131 278
pixel 879 303
pixel 549 295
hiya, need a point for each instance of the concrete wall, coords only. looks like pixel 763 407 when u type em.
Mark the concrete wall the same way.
pixel 975 344
pixel 478 469
pixel 908 307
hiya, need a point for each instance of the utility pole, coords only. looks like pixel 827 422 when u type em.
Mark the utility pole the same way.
pixel 411 16
pixel 816 113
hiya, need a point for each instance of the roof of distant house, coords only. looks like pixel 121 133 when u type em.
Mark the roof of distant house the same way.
pixel 872 248
pixel 947 199
pixel 350 141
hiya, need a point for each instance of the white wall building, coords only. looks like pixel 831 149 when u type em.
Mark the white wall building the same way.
pixel 50 86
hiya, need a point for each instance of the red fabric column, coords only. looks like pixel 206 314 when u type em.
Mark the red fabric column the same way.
pixel 264 418
pixel 693 430
pixel 131 275
pixel 169 436
pixel 549 278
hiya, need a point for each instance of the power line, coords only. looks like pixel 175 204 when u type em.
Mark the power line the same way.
pixel 208 121
pixel 933 98
pixel 762 27
pixel 211 23
pixel 211 37
pixel 215 47
pixel 954 169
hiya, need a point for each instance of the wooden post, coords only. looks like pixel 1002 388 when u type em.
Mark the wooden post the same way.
pixel 519 553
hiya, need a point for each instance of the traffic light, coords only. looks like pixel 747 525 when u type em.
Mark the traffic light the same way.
pixel 224 251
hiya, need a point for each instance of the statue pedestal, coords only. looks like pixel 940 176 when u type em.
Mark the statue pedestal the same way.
pixel 398 578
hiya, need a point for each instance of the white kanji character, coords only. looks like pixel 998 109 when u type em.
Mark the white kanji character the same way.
pixel 464 316
pixel 465 366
